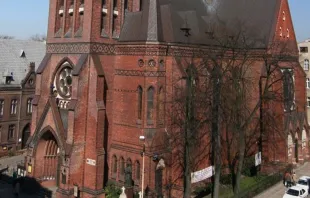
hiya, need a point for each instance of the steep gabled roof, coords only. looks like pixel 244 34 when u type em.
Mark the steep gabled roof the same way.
pixel 161 20
pixel 15 57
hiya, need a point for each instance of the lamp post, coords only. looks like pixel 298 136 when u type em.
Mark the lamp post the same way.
pixel 142 138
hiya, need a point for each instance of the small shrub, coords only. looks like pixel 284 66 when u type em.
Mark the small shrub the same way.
pixel 11 153
pixel 112 191
pixel 203 191
pixel 225 179
pixel 249 168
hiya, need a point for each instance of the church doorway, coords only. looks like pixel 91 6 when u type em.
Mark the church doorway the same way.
pixel 47 155
pixel 25 135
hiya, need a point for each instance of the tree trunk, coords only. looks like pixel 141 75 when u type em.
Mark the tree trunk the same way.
pixel 188 130
pixel 240 162
pixel 216 136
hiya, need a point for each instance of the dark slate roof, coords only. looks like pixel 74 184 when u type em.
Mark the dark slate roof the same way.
pixel 15 57
pixel 161 20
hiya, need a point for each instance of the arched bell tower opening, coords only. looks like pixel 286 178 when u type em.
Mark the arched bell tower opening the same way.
pixel 47 153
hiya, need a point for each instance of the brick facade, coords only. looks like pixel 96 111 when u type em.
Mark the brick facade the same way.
pixel 88 135
pixel 18 120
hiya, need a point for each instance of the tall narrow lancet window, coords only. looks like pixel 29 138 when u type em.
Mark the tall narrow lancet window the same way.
pixel 69 23
pixel 114 166
pixel 140 99
pixel 122 168
pixel 140 5
pixel 59 18
pixel 115 18
pixel 104 12
pixel 80 19
pixel 125 10
pixel 126 5
pixel 138 170
pixel 161 106
pixel 150 104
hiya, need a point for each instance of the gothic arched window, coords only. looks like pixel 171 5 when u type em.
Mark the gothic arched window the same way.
pixel 141 4
pixel 150 103
pixel 288 89
pixel 140 99
pixel 122 168
pixel 125 4
pixel 137 170
pixel 161 105
pixel 104 12
pixel 114 164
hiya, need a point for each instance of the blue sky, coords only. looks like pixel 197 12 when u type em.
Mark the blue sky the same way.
pixel 23 18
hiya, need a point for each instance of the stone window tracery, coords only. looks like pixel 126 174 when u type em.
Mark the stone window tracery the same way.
pixel 62 88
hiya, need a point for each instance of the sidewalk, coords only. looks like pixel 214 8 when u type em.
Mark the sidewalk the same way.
pixel 278 190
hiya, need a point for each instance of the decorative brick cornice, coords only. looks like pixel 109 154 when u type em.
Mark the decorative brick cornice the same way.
pixel 160 49
pixel 121 72
pixel 125 90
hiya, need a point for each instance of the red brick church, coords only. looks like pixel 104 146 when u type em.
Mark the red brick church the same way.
pixel 108 63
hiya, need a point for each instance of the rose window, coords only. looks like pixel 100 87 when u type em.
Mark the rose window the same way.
pixel 64 82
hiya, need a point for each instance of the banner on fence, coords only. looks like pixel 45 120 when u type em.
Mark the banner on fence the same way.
pixel 258 158
pixel 202 174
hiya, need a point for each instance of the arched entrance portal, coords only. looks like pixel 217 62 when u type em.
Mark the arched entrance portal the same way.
pixel 47 159
pixel 25 135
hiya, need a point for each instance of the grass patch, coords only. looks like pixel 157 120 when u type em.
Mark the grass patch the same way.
pixel 247 184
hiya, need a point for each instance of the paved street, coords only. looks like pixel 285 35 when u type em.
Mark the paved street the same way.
pixel 278 190
pixel 11 161
pixel 6 190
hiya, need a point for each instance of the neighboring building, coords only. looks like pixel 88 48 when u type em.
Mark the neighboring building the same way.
pixel 304 59
pixel 107 65
pixel 17 87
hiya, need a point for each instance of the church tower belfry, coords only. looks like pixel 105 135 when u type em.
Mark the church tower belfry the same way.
pixel 88 21
pixel 73 102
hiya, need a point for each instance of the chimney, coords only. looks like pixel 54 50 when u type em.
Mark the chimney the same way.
pixel 32 66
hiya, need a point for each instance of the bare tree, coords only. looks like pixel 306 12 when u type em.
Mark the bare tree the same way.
pixel 222 98
pixel 188 120
pixel 6 37
pixel 38 37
